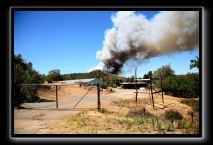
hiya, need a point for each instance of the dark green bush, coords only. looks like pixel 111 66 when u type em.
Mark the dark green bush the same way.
pixel 173 115
pixel 186 86
pixel 24 74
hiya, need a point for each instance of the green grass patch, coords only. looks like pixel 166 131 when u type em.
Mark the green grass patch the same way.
pixel 169 126
pixel 181 124
pixel 192 128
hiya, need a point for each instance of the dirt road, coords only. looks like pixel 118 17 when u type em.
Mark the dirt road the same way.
pixel 43 117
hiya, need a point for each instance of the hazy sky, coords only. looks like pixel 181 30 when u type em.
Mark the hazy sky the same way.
pixel 69 40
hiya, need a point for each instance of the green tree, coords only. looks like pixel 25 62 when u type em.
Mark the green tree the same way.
pixel 148 75
pixel 186 86
pixel 194 63
pixel 54 75
pixel 164 71
pixel 24 74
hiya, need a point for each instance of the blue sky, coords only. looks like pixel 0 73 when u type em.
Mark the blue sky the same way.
pixel 69 40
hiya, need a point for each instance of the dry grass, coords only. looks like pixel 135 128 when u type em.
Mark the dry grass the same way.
pixel 124 117
pixel 121 116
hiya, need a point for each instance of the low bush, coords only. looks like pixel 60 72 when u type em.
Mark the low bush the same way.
pixel 181 124
pixel 138 112
pixel 173 115
pixel 191 128
pixel 169 126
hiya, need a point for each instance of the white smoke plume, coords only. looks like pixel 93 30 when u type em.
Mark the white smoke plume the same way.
pixel 135 37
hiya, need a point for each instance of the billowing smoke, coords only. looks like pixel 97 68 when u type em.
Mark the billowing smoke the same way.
pixel 135 37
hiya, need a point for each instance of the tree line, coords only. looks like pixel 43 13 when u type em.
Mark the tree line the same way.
pixel 186 86
pixel 183 86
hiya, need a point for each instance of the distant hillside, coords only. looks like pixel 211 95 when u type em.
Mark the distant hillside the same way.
pixel 108 78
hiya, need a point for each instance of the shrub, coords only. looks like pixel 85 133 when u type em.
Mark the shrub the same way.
pixel 139 120
pixel 186 86
pixel 139 112
pixel 169 126
pixel 173 115
pixel 191 128
pixel 181 124
pixel 24 74
pixel 159 125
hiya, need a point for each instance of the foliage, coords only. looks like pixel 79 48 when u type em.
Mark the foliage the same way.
pixel 194 63
pixel 191 128
pixel 24 74
pixel 186 86
pixel 54 75
pixel 173 115
pixel 131 79
pixel 164 71
pixel 169 126
pixel 191 102
pixel 148 75
pixel 181 124
pixel 139 120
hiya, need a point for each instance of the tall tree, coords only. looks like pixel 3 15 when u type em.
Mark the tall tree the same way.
pixel 54 75
pixel 24 74
pixel 164 71
pixel 148 75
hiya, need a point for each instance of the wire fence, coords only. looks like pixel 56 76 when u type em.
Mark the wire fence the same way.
pixel 54 96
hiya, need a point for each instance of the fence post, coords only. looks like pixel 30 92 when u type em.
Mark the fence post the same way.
pixel 136 89
pixel 98 95
pixel 150 99
pixel 152 93
pixel 56 93
pixel 161 88
pixel 192 116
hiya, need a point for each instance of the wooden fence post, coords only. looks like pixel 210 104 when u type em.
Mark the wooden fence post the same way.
pixel 192 116
pixel 56 93
pixel 136 89
pixel 161 89
pixel 98 95
pixel 152 93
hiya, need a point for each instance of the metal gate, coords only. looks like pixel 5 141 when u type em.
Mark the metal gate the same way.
pixel 62 96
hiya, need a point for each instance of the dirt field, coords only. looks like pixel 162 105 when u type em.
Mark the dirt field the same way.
pixel 44 118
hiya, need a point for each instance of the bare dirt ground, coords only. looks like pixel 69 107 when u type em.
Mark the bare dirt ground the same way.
pixel 44 118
